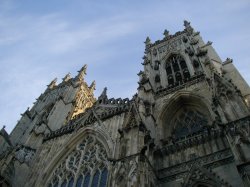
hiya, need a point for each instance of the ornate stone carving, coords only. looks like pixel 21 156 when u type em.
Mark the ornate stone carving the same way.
pixel 201 52
pixel 189 51
pixel 201 176
pixel 24 154
pixel 194 41
pixel 88 158
pixel 166 33
pixel 184 39
pixel 170 46
pixel 211 161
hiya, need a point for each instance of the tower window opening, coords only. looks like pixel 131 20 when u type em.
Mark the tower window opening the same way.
pixel 169 70
pixel 177 65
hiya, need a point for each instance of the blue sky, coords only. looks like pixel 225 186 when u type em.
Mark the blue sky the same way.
pixel 41 40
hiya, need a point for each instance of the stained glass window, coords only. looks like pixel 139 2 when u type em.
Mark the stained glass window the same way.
pixel 95 179
pixel 104 177
pixel 188 122
pixel 79 181
pixel 176 65
pixel 71 182
pixel 89 155
pixel 86 181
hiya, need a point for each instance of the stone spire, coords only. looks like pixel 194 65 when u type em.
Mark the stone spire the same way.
pixel 103 96
pixel 148 41
pixel 104 92
pixel 67 77
pixel 82 72
pixel 52 84
pixel 92 86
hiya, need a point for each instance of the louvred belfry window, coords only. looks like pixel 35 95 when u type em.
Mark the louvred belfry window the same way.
pixel 85 166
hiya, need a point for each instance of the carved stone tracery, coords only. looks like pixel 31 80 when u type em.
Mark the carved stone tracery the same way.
pixel 87 161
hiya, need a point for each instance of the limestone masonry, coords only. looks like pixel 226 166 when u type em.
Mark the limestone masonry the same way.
pixel 188 125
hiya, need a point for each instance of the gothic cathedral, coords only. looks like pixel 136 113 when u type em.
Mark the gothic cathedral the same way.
pixel 188 125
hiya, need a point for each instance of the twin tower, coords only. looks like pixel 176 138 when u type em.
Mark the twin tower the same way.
pixel 188 125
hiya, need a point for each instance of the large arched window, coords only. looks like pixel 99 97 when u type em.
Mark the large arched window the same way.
pixel 188 121
pixel 176 65
pixel 85 166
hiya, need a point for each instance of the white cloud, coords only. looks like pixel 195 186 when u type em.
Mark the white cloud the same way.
pixel 32 40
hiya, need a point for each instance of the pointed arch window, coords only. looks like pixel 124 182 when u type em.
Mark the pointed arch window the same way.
pixel 176 65
pixel 188 121
pixel 85 166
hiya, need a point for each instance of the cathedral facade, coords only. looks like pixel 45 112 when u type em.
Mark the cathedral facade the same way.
pixel 188 125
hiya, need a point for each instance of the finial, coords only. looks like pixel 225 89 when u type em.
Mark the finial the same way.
pixel 82 72
pixel 67 77
pixel 52 84
pixel 83 69
pixel 166 33
pixel 148 41
pixel 186 23
pixel 104 92
pixel 188 27
pixel 92 86
pixel 103 97
pixel 4 127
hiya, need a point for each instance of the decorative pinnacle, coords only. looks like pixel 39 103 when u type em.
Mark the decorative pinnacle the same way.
pixel 104 92
pixel 83 69
pixel 148 41
pixel 186 23
pixel 188 27
pixel 92 86
pixel 103 96
pixel 166 33
pixel 67 77
pixel 82 72
pixel 52 84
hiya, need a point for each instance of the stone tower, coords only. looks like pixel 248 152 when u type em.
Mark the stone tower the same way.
pixel 188 125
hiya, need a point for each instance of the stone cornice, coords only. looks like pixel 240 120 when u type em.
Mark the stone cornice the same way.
pixel 209 161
